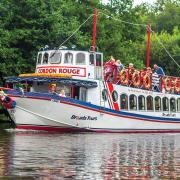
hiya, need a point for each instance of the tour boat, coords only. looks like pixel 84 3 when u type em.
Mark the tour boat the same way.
pixel 125 102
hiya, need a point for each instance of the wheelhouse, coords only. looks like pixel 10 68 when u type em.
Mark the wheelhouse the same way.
pixel 79 64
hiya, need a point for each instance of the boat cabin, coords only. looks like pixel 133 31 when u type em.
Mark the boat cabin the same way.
pixel 79 64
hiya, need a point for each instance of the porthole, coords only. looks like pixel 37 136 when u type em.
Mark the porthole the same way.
pixel 104 94
pixel 115 96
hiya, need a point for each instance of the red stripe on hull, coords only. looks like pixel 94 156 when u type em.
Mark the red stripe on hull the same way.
pixel 70 130
pixel 50 129
pixel 137 131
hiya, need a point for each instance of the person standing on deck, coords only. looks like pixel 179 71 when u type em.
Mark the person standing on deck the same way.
pixel 119 66
pixel 159 70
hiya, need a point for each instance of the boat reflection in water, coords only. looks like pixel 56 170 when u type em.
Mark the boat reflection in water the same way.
pixel 4 154
pixel 91 156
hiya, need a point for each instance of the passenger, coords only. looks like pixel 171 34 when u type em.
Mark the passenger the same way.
pixel 109 69
pixel 131 68
pixel 159 70
pixel 62 93
pixel 119 66
pixel 149 71
pixel 130 71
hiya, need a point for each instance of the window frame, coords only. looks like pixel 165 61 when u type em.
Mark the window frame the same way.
pixel 172 98
pixel 127 101
pixel 115 99
pixel 47 58
pixel 144 103
pixel 38 58
pixel 163 104
pixel 106 95
pixel 152 103
pixel 159 98
pixel 90 59
pixel 135 103
pixel 60 58
pixel 178 104
pixel 65 58
pixel 77 59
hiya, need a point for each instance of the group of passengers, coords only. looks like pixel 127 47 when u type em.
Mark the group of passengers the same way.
pixel 115 67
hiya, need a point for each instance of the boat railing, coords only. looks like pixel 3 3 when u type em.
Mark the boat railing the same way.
pixel 143 79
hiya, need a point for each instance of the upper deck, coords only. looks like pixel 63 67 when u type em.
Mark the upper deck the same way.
pixel 78 64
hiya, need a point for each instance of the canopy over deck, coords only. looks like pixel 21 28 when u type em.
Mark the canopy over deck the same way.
pixel 68 81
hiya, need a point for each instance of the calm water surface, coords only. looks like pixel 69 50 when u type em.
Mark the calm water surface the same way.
pixel 32 155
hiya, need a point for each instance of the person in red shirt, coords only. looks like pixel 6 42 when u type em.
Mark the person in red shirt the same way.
pixel 109 68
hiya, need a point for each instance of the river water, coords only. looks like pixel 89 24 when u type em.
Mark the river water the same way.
pixel 46 156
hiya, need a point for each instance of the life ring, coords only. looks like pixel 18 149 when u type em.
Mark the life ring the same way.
pixel 124 77
pixel 8 103
pixel 147 82
pixel 177 85
pixel 136 79
pixel 167 84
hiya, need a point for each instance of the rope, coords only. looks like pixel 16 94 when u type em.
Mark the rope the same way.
pixel 76 30
pixel 120 20
pixel 166 50
pixel 144 25
pixel 72 34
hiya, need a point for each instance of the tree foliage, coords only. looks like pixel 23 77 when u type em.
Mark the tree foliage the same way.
pixel 28 25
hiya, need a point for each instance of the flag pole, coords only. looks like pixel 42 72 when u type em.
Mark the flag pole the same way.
pixel 148 46
pixel 94 31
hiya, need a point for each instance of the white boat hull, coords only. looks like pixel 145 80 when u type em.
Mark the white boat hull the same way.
pixel 63 115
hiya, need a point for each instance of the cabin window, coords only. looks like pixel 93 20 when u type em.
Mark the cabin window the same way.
pixel 98 59
pixel 172 105
pixel 91 59
pixel 104 94
pixel 157 103
pixel 115 96
pixel 178 105
pixel 80 58
pixel 165 103
pixel 141 102
pixel 45 58
pixel 68 58
pixel 39 58
pixel 55 58
pixel 133 102
pixel 149 101
pixel 124 101
pixel 83 92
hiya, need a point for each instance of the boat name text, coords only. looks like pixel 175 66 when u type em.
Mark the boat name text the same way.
pixel 84 117
pixel 74 71
pixel 169 115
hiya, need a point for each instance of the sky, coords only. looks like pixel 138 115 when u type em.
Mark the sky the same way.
pixel 136 2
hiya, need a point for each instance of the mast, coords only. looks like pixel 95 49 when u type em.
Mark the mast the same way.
pixel 94 31
pixel 148 46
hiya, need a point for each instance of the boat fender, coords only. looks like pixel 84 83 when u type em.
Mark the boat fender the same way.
pixel 136 79
pixel 147 82
pixel 177 85
pixel 124 77
pixel 8 103
pixel 167 84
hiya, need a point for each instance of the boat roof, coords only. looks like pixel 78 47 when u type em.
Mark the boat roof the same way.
pixel 68 81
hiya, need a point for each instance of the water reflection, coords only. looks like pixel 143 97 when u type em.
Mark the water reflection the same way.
pixel 89 156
